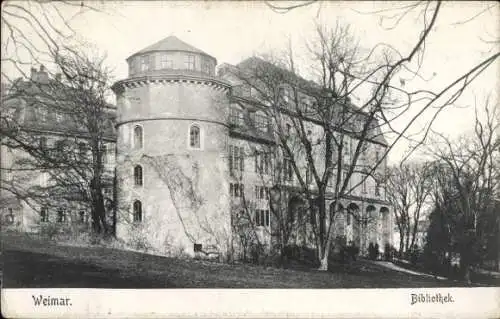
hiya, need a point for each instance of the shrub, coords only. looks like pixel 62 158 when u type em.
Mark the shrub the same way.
pixel 389 252
pixel 349 252
pixel 50 231
pixel 373 251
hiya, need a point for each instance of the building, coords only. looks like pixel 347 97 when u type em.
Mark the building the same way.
pixel 40 132
pixel 197 158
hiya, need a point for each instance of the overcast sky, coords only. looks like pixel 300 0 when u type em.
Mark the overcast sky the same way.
pixel 232 31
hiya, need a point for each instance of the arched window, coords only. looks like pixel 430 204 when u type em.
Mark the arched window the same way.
pixel 138 137
pixel 138 175
pixel 137 211
pixel 194 136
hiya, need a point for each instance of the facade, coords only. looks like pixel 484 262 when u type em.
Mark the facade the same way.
pixel 198 162
pixel 198 167
pixel 33 194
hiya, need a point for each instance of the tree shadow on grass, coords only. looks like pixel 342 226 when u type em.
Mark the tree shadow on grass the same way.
pixel 23 269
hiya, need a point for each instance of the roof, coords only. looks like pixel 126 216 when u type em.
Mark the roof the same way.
pixel 256 66
pixel 171 43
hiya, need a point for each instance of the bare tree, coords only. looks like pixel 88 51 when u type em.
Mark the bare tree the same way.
pixel 61 130
pixel 320 133
pixel 409 187
pixel 33 31
pixel 341 72
pixel 466 177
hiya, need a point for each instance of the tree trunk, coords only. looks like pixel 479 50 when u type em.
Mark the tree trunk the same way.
pixel 323 266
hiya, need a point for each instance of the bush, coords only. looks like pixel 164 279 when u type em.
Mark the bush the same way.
pixel 50 231
pixel 373 251
pixel 389 252
pixel 415 256
pixel 349 252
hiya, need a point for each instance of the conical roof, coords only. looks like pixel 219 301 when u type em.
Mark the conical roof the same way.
pixel 171 43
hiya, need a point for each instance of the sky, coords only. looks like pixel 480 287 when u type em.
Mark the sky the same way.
pixel 233 31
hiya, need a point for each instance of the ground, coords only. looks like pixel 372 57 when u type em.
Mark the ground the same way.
pixel 30 262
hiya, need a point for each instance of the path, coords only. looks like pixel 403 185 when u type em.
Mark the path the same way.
pixel 392 266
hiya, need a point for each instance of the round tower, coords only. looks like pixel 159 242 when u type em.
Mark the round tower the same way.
pixel 172 135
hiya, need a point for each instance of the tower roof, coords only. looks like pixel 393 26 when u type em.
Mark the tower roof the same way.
pixel 171 43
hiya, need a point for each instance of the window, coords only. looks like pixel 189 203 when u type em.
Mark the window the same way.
pixel 377 189
pixel 235 117
pixel 44 179
pixel 166 62
pixel 8 175
pixel 288 128
pixel 236 158
pixel 10 216
pixel 82 150
pixel 43 143
pixel 347 151
pixel 261 192
pixel 138 175
pixel 262 163
pixel 206 68
pixel 348 219
pixel 108 153
pixel 262 217
pixel 284 94
pixel 287 169
pixel 59 116
pixel 261 122
pixel 189 63
pixel 43 114
pixel 138 137
pixel 104 154
pixel 132 66
pixel 309 174
pixel 236 190
pixel 363 185
pixel 44 214
pixel 59 147
pixel 144 63
pixel 137 211
pixel 81 215
pixel 61 215
pixel 194 136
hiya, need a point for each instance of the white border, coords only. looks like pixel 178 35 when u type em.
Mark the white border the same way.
pixel 255 303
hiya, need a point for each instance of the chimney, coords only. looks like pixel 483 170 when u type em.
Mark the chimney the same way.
pixel 34 74
pixel 43 76
pixel 58 77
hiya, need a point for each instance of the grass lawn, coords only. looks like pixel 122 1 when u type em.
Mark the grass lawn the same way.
pixel 30 262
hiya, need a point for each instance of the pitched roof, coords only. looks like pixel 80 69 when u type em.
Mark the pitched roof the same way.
pixel 171 43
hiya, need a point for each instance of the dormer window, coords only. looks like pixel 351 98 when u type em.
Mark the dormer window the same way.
pixel 236 116
pixel 190 65
pixel 207 67
pixel 144 63
pixel 166 62
pixel 261 122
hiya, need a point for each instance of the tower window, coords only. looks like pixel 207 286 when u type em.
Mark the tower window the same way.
pixel 190 62
pixel 144 63
pixel 166 62
pixel 138 175
pixel 137 211
pixel 138 137
pixel 194 136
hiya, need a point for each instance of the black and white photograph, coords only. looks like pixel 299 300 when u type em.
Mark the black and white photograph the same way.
pixel 291 158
